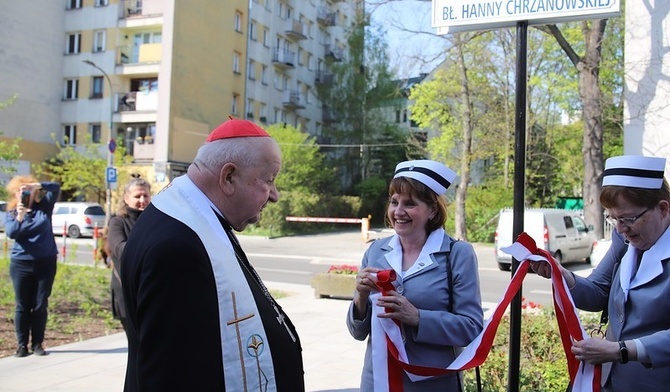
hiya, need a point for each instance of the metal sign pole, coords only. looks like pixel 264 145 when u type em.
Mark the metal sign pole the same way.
pixel 519 190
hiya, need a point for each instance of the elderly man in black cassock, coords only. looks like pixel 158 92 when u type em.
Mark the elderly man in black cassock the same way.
pixel 200 318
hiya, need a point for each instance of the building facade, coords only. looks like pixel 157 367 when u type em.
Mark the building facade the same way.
pixel 157 75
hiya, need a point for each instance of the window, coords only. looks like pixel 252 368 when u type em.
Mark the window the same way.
pixel 73 4
pixel 236 62
pixel 99 41
pixel 101 3
pixel 234 104
pixel 277 115
pixel 404 116
pixel 69 135
pixel 251 70
pixel 266 38
pixel 252 31
pixel 263 112
pixel 276 81
pixel 250 108
pixel 71 89
pixel 238 21
pixel 264 74
pixel 96 131
pixel 397 116
pixel 300 55
pixel 73 45
pixel 310 62
pixel 96 87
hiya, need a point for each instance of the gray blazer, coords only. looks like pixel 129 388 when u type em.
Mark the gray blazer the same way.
pixel 440 333
pixel 645 315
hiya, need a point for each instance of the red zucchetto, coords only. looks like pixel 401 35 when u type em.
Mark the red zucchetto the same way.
pixel 236 128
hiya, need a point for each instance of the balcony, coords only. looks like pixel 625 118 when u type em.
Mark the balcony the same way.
pixel 133 9
pixel 144 149
pixel 293 100
pixel 284 59
pixel 324 78
pixel 334 52
pixel 296 30
pixel 325 17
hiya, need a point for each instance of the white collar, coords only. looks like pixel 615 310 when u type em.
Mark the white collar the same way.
pixel 650 265
pixel 432 245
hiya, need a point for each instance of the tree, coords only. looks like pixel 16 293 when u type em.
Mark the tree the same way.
pixel 588 65
pixel 462 109
pixel 303 168
pixel 79 169
pixel 359 142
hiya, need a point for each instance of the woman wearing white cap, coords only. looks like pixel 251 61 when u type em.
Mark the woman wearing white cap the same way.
pixel 435 300
pixel 632 283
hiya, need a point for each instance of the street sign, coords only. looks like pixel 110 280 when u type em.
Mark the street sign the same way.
pixel 451 16
pixel 112 146
pixel 111 175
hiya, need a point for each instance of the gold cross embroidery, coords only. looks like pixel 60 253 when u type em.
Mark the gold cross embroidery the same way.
pixel 236 322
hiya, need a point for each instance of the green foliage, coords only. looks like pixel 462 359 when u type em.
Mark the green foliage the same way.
pixel 79 169
pixel 542 362
pixel 484 204
pixel 79 294
pixel 303 166
pixel 273 220
pixel 374 195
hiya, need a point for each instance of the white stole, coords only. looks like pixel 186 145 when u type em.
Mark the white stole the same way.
pixel 245 350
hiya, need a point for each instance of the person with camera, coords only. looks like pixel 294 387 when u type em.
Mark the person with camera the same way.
pixel 33 257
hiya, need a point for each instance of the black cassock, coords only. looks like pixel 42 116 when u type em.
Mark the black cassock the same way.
pixel 173 318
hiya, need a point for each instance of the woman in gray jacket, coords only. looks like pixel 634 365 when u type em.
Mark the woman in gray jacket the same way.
pixel 436 299
pixel 632 283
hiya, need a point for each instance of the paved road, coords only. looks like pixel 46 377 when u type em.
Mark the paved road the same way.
pixel 294 260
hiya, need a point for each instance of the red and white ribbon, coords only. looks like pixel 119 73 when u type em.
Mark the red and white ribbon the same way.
pixel 390 358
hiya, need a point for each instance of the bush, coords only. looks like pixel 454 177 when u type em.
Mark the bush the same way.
pixel 273 219
pixel 543 365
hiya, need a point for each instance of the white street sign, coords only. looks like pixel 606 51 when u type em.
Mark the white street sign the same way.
pixel 470 15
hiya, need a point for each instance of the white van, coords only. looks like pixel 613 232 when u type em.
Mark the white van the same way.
pixel 561 232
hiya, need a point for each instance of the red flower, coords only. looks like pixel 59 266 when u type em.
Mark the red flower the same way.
pixel 343 269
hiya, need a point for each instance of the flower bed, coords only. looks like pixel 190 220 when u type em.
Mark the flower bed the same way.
pixel 338 282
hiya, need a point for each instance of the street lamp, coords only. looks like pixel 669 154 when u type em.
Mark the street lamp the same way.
pixel 110 143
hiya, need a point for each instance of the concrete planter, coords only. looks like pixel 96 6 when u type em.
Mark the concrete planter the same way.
pixel 328 285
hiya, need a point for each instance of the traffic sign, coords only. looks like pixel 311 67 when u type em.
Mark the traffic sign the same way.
pixel 111 175
pixel 112 146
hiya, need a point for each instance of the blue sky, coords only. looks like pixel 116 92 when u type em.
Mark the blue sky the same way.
pixel 410 53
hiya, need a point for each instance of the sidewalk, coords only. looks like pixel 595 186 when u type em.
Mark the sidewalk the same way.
pixel 332 358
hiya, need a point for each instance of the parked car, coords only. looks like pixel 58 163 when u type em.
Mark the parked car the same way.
pixel 77 219
pixel 561 232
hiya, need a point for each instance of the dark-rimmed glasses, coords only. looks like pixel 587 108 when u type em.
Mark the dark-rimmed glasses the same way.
pixel 626 221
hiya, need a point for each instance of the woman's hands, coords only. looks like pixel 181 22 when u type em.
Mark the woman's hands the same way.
pixel 595 351
pixel 398 308
pixel 543 269
pixel 366 282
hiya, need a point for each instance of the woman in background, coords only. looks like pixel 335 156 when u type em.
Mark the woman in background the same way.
pixel 136 197
pixel 33 259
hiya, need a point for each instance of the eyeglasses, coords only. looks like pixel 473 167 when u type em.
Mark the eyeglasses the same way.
pixel 626 221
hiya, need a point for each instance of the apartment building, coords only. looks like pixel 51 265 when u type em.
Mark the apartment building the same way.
pixel 157 75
